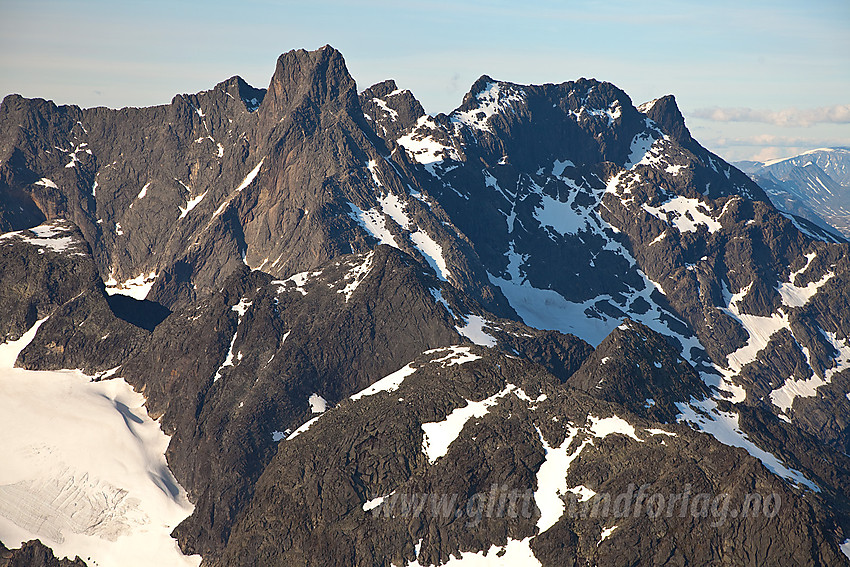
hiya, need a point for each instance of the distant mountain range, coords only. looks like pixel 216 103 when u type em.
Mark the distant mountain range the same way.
pixel 814 185
pixel 548 328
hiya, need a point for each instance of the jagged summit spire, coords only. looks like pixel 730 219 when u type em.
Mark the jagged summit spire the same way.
pixel 665 112
pixel 320 76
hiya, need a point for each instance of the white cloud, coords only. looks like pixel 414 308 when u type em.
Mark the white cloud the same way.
pixel 772 140
pixel 837 114
pixel 763 147
pixel 770 153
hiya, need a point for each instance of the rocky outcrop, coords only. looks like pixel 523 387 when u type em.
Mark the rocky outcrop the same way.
pixel 48 273
pixel 349 485
pixel 640 370
pixel 34 554
pixel 269 345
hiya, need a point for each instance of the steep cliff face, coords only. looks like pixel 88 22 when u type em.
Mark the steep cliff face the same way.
pixel 338 298
pixel 185 194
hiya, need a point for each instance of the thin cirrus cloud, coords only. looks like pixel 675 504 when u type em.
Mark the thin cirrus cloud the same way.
pixel 837 114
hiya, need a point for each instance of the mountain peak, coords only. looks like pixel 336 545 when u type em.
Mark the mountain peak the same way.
pixel 665 112
pixel 470 99
pixel 392 111
pixel 382 89
pixel 239 89
pixel 638 368
pixel 319 77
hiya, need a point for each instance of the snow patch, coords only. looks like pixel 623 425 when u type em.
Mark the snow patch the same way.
pixel 48 236
pixel 298 280
pixel 432 252
pixel 245 182
pixel 375 502
pixel 560 215
pixel 640 147
pixel 783 397
pixel 387 110
pixel 357 275
pixel 582 492
pixel 842 361
pixel 723 426
pixel 495 98
pixel 371 165
pixel 137 287
pixel 318 404
pixel 242 307
pixel 228 360
pixel 613 112
pixel 303 428
pixel 191 204
pixel 250 177
pixel 606 533
pixel 760 329
pixel 9 351
pixel 552 479
pixel 660 432
pixel 685 214
pixel 45 182
pixel 424 148
pixel 795 296
pixel 606 426
pixel 516 553
pixel 438 297
pixel 389 383
pixel 474 331
pixel 438 435
pixel 394 207
pixel 559 166
pixel 454 355
pixel 373 222
pixel 547 309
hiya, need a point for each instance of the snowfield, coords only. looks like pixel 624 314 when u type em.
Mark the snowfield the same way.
pixel 84 468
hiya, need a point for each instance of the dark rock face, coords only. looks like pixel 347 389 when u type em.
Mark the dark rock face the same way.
pixel 34 554
pixel 390 110
pixel 38 277
pixel 372 447
pixel 48 273
pixel 193 190
pixel 329 332
pixel 638 369
pixel 547 283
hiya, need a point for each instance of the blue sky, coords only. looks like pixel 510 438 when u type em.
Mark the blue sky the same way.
pixel 755 79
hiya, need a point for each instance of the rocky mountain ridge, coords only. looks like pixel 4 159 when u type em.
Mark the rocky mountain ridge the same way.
pixel 552 252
